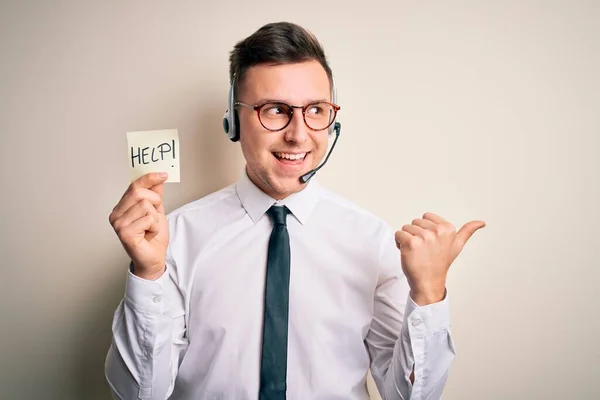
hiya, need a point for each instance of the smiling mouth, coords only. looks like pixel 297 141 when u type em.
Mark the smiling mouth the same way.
pixel 291 158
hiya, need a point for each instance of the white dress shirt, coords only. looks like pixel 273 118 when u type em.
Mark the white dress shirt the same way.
pixel 195 333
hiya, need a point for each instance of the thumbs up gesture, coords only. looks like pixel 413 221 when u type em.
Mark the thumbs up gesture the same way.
pixel 428 246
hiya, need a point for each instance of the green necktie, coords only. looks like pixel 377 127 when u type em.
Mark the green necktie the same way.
pixel 275 326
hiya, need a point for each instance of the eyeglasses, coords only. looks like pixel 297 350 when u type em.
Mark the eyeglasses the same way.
pixel 275 116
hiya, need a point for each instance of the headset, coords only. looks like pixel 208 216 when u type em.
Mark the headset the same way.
pixel 232 129
pixel 230 119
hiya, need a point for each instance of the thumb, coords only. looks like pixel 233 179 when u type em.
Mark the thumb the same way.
pixel 468 229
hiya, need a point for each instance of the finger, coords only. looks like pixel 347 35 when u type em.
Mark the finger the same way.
pixel 131 234
pixel 434 218
pixel 136 195
pixel 402 239
pixel 159 189
pixel 424 223
pixel 151 179
pixel 154 227
pixel 413 230
pixel 152 231
pixel 137 211
pixel 467 231
pixel 147 181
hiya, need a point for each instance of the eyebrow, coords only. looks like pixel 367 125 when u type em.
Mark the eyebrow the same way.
pixel 267 100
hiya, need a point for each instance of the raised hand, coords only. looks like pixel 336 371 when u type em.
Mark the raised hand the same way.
pixel 140 223
pixel 428 247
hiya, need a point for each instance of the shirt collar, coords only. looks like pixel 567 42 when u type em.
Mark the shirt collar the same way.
pixel 256 202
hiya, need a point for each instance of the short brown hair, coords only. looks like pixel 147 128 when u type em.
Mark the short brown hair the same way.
pixel 275 43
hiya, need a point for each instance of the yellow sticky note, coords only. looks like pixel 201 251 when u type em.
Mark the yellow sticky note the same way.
pixel 154 151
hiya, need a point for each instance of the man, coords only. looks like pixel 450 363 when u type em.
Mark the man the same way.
pixel 273 288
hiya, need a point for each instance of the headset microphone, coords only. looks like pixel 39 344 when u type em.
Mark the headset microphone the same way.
pixel 306 177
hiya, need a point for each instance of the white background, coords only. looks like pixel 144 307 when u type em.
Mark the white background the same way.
pixel 470 109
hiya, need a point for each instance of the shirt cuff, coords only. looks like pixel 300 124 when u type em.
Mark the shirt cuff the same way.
pixel 145 295
pixel 427 320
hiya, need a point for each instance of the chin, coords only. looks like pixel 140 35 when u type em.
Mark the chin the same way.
pixel 289 186
pixel 276 183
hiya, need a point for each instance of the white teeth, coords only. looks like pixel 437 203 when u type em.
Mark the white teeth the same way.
pixel 291 156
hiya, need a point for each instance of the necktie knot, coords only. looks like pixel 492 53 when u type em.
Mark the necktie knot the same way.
pixel 278 214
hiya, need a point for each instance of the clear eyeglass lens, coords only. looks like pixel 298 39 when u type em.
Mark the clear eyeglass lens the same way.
pixel 275 116
pixel 319 115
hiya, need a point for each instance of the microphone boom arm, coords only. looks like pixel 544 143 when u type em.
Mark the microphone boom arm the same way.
pixel 306 177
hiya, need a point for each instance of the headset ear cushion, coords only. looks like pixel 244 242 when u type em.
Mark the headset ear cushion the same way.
pixel 226 123
pixel 236 135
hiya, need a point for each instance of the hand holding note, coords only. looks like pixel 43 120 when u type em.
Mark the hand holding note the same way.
pixel 140 223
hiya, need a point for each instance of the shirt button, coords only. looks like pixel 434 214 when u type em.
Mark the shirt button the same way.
pixel 417 322
pixel 156 299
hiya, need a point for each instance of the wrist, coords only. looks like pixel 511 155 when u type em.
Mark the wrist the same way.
pixel 424 297
pixel 150 275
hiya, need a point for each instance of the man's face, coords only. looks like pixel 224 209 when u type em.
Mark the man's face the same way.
pixel 267 153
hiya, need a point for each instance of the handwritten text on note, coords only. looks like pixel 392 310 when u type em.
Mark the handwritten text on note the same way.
pixel 154 151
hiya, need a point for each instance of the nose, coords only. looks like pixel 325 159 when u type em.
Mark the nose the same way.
pixel 297 131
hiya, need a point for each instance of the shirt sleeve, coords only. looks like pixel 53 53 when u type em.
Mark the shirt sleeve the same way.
pixel 148 339
pixel 404 337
